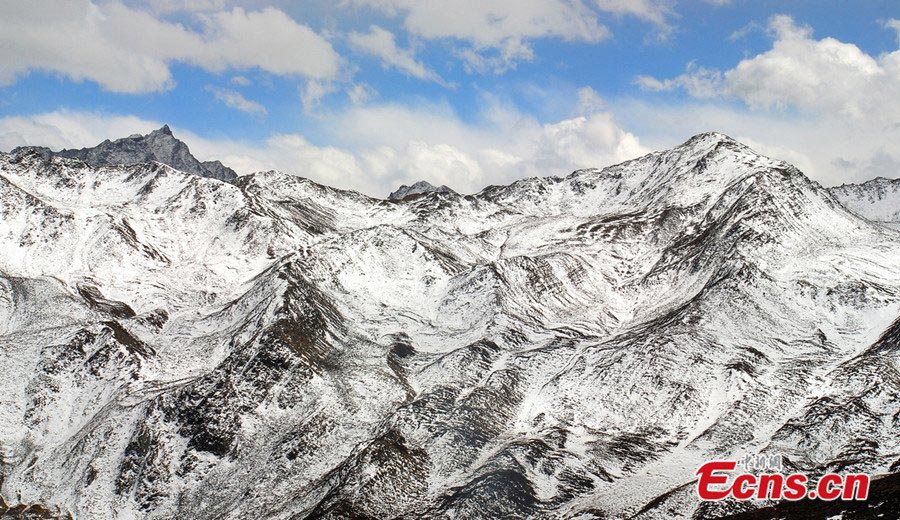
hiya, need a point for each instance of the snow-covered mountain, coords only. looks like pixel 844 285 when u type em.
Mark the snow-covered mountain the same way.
pixel 179 347
pixel 877 200
pixel 417 188
pixel 159 146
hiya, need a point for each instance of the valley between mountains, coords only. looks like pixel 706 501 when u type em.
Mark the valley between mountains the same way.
pixel 179 346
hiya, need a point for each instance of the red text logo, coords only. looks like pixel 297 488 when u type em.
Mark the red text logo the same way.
pixel 718 481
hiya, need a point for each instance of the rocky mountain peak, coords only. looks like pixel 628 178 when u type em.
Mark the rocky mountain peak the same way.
pixel 160 145
pixel 418 188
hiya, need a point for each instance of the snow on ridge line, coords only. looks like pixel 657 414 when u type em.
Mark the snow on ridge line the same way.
pixel 543 344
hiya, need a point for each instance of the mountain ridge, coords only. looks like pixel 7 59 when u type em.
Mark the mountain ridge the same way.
pixel 417 188
pixel 877 199
pixel 557 347
pixel 159 145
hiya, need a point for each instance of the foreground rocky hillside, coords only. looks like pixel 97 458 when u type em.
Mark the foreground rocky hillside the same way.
pixel 175 346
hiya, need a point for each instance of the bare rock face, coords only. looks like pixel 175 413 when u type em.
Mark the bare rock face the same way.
pixel 172 346
pixel 159 145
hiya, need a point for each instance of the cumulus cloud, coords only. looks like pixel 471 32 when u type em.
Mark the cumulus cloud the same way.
pixel 497 31
pixel 496 35
pixel 375 148
pixel 402 144
pixel 823 104
pixel 817 76
pixel 128 50
pixel 381 43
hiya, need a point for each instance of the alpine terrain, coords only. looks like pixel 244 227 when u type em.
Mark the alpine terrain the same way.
pixel 176 346
pixel 159 145
pixel 877 199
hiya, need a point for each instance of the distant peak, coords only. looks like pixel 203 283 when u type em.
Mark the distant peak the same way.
pixel 159 146
pixel 418 188
pixel 164 130
pixel 423 185
pixel 709 137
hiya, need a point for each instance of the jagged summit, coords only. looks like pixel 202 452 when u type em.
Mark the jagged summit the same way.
pixel 159 145
pixel 419 188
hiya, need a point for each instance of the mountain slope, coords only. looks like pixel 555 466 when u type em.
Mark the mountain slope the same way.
pixel 877 200
pixel 560 347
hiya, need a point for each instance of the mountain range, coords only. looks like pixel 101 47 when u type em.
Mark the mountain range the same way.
pixel 175 346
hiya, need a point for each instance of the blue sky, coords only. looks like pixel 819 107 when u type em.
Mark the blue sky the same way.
pixel 367 94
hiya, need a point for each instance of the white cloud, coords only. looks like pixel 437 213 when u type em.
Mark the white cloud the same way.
pixel 377 147
pixel 241 81
pixel 589 101
pixel 498 60
pixel 831 150
pixel 656 12
pixel 894 24
pixel 129 50
pixel 879 164
pixel 585 141
pixel 823 104
pixel 500 28
pixel 741 33
pixel 496 35
pixel 172 6
pixel 268 39
pixel 68 129
pixel 381 43
pixel 430 142
pixel 313 92
pixel 236 101
pixel 361 93
pixel 816 75
pixel 697 81
pixel 440 163
pixel 799 72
